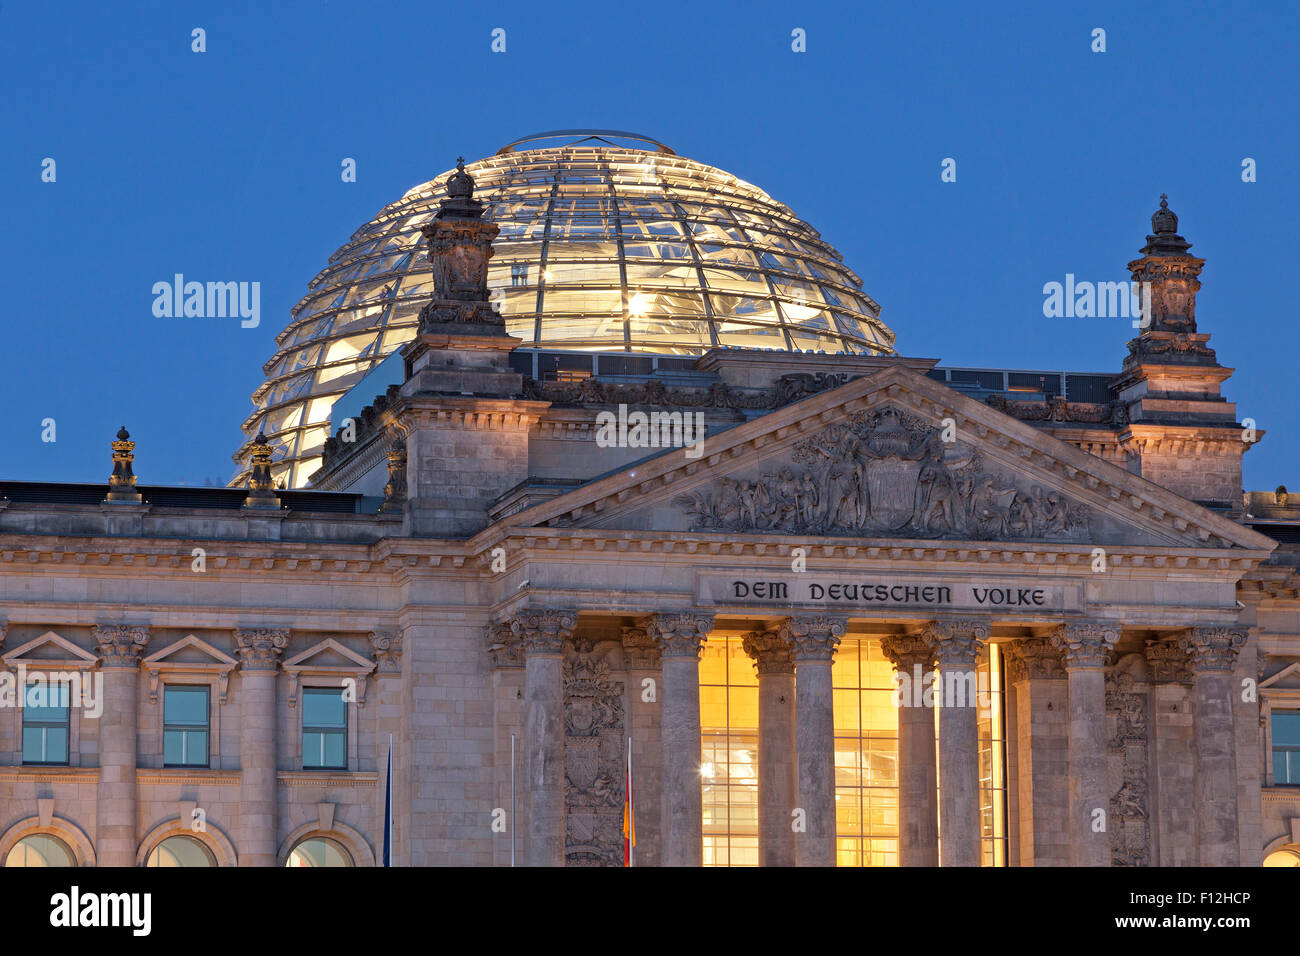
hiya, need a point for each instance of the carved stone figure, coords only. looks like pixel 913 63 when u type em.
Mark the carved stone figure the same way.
pixel 885 473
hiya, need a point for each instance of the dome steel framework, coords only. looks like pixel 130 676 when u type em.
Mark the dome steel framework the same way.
pixel 603 247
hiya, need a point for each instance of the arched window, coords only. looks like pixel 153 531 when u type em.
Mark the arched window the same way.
pixel 1287 856
pixel 181 851
pixel 318 851
pixel 40 849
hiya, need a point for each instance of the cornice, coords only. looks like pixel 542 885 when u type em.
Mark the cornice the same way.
pixel 189 777
pixel 49 774
pixel 354 780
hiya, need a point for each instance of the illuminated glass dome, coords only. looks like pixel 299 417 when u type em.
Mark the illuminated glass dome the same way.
pixel 610 242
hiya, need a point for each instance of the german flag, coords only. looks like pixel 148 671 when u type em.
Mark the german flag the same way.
pixel 629 824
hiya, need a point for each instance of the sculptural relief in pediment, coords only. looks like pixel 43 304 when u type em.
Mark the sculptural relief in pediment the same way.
pixel 885 473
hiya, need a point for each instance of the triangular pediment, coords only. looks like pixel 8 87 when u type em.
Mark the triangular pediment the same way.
pixel 190 651
pixel 49 650
pixel 1288 678
pixel 892 455
pixel 328 655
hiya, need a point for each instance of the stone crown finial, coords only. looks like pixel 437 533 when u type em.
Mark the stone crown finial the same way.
pixel 460 185
pixel 1165 240
pixel 123 434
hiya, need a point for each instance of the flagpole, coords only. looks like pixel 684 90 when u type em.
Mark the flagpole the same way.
pixel 512 799
pixel 631 809
pixel 391 847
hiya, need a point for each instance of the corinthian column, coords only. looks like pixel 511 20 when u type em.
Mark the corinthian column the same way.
pixel 776 745
pixel 119 647
pixel 956 644
pixel 259 664
pixel 1213 653
pixel 1085 647
pixel 918 796
pixel 544 635
pixel 813 641
pixel 680 637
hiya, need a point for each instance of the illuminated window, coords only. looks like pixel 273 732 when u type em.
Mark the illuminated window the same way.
pixel 40 850
pixel 1287 856
pixel 1286 747
pixel 46 722
pixel 866 755
pixel 729 753
pixel 180 851
pixel 992 745
pixel 319 851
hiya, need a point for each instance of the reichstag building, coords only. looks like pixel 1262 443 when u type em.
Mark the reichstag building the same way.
pixel 588 483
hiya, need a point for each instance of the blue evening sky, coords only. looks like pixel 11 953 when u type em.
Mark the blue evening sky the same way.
pixel 225 165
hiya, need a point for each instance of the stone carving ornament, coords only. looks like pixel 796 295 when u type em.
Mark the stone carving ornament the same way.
pixel 1129 818
pixel 885 473
pixel 594 744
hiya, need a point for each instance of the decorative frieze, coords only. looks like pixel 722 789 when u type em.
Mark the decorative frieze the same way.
pixel 1212 648
pixel 813 638
pixel 957 643
pixel 1127 708
pixel 639 649
pixel 908 651
pixel 1034 658
pixel 260 648
pixel 1085 643
pixel 386 649
pixel 594 754
pixel 771 653
pixel 120 645
pixel 680 635
pixel 1168 662
pixel 544 631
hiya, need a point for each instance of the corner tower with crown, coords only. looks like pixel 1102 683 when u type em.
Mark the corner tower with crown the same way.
pixel 460 412
pixel 1182 433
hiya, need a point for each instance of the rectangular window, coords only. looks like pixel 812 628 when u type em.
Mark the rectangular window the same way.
pixel 1286 748
pixel 324 729
pixel 46 716
pixel 185 726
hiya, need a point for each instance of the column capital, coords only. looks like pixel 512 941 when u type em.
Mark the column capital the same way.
pixel 679 635
pixel 260 648
pixel 957 642
pixel 505 649
pixel 639 649
pixel 1034 658
pixel 120 645
pixel 1085 643
pixel 770 652
pixel 1212 648
pixel 386 650
pixel 1168 663
pixel 813 638
pixel 905 651
pixel 544 632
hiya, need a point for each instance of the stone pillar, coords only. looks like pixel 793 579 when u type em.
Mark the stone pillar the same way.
pixel 386 700
pixel 644 730
pixel 679 637
pixel 544 635
pixel 1213 654
pixel 120 647
pixel 506 652
pixel 1036 674
pixel 259 664
pixel 1086 645
pixel 1173 784
pixel 813 641
pixel 956 645
pixel 776 746
pixel 918 794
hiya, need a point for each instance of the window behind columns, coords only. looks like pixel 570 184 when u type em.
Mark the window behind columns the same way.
pixel 993 755
pixel 866 755
pixel 729 753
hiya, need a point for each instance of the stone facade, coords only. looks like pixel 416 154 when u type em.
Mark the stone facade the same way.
pixel 525 613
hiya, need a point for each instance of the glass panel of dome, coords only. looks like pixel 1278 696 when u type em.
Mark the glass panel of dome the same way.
pixel 585 300
pixel 736 280
pixel 319 410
